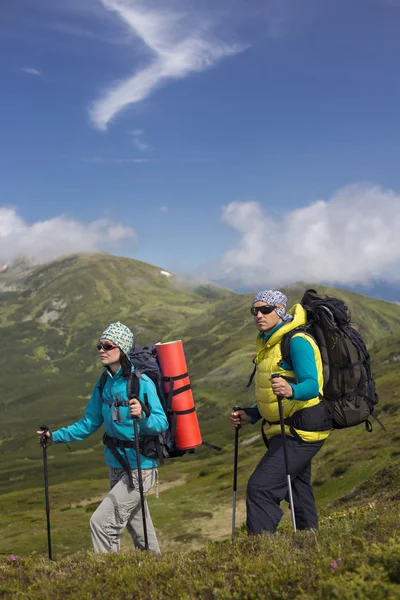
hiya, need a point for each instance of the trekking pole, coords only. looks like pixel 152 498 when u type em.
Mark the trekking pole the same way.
pixel 141 491
pixel 43 440
pixel 285 452
pixel 235 469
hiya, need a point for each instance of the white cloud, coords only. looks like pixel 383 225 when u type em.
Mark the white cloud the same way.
pixel 31 71
pixel 351 238
pixel 177 47
pixel 164 209
pixel 46 240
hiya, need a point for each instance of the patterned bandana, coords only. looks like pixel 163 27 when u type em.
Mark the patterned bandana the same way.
pixel 274 298
pixel 120 335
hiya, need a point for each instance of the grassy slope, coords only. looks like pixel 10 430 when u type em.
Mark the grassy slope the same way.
pixel 355 554
pixel 219 341
pixel 50 368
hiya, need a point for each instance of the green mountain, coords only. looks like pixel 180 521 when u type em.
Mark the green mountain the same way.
pixel 50 318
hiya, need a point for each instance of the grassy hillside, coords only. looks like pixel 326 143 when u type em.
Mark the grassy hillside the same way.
pixel 51 325
pixel 355 554
pixel 51 321
pixel 195 496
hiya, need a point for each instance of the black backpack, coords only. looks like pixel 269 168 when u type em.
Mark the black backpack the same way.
pixel 349 388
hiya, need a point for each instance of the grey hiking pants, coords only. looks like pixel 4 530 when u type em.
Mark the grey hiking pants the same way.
pixel 120 509
pixel 267 486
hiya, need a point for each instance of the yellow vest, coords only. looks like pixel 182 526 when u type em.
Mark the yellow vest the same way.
pixel 267 362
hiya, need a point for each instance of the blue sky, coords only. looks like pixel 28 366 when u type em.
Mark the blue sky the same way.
pixel 252 142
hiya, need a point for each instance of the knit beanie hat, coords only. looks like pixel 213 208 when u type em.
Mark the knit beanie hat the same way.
pixel 120 335
pixel 274 298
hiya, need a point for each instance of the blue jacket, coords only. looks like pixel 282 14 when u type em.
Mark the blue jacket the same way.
pixel 98 412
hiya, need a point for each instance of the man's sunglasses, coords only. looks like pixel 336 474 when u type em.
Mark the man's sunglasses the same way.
pixel 106 346
pixel 264 310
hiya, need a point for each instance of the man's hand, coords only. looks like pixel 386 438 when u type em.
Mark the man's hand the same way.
pixel 48 435
pixel 281 387
pixel 135 408
pixel 239 417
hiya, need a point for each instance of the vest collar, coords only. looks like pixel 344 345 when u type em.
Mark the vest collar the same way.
pixel 299 320
pixel 266 336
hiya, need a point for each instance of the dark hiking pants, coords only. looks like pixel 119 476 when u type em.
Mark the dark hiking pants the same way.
pixel 267 486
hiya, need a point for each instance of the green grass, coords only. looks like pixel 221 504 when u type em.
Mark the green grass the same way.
pixel 355 555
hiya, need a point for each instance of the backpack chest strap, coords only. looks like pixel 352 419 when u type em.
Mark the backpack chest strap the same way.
pixel 116 402
pixel 132 388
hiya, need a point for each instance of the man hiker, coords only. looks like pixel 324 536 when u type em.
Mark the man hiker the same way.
pixel 307 422
pixel 112 407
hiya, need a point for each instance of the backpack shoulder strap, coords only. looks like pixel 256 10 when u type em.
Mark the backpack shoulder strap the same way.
pixel 102 382
pixel 285 344
pixel 133 389
pixel 133 385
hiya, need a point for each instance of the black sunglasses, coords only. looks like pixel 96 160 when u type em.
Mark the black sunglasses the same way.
pixel 264 310
pixel 106 346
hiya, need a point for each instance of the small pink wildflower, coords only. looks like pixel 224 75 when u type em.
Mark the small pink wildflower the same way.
pixel 337 562
pixel 13 557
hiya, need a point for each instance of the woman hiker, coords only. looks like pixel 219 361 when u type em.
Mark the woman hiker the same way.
pixel 111 406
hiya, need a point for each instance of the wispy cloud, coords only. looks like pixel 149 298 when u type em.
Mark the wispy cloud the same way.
pixel 164 209
pixel 46 240
pixel 100 160
pixel 350 238
pixel 179 45
pixel 31 71
pixel 80 32
pixel 139 141
pixel 140 144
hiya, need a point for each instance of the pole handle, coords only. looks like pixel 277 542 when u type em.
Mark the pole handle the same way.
pixel 234 409
pixel 276 376
pixel 44 440
pixel 145 408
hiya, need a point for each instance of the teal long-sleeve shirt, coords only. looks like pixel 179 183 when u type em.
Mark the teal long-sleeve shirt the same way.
pixel 304 366
pixel 118 424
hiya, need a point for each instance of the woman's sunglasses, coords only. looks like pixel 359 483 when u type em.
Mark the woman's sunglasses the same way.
pixel 264 310
pixel 106 346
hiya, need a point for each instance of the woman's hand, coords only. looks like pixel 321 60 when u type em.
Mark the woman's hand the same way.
pixel 135 408
pixel 48 435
